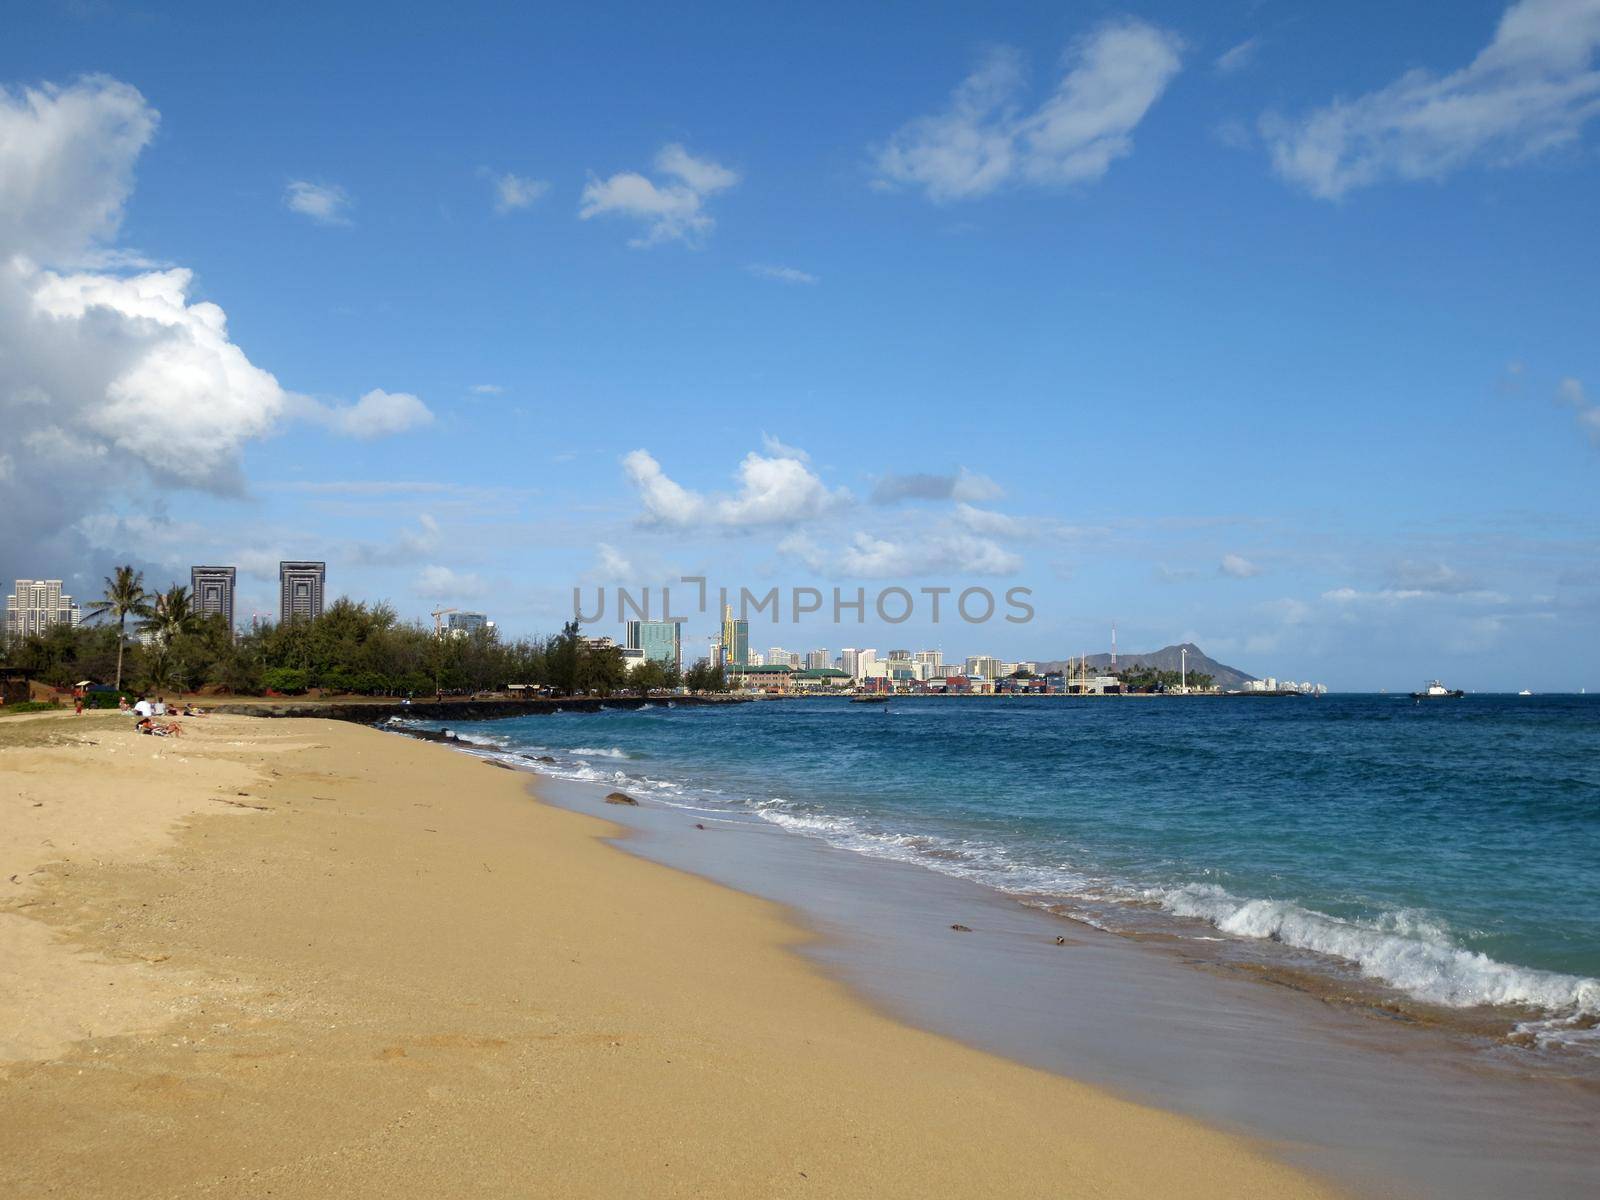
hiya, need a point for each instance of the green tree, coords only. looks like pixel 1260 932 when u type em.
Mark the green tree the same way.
pixel 124 597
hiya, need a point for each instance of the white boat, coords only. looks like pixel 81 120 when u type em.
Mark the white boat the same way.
pixel 1524 692
pixel 1437 691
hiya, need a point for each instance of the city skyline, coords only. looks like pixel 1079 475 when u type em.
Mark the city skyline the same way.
pixel 1326 410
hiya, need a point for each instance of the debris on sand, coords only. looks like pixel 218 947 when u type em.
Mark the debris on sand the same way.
pixel 621 798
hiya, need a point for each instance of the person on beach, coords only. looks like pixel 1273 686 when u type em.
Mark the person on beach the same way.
pixel 143 708
pixel 160 708
pixel 122 704
pixel 77 701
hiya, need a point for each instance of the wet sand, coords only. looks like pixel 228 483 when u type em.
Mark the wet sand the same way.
pixel 306 958
pixel 1383 1106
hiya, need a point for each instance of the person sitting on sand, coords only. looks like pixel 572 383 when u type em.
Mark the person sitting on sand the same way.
pixel 122 704
pixel 143 708
pixel 160 708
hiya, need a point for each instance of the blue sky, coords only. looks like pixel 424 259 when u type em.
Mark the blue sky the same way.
pixel 1267 325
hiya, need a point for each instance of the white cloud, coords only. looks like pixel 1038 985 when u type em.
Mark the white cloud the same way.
pixel 781 274
pixel 1570 393
pixel 997 524
pixel 1423 576
pixel 613 564
pixel 671 211
pixel 961 485
pixel 1529 91
pixel 124 375
pixel 780 449
pixel 487 389
pixel 327 203
pixel 1239 57
pixel 954 553
pixel 773 490
pixel 441 583
pixel 985 140
pixel 512 192
pixel 377 414
pixel 66 166
pixel 1236 566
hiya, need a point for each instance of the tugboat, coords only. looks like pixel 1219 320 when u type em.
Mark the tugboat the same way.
pixel 1437 691
pixel 870 698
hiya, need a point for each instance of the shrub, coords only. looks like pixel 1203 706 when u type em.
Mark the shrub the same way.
pixel 291 681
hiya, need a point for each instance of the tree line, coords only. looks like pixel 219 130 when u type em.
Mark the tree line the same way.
pixel 353 647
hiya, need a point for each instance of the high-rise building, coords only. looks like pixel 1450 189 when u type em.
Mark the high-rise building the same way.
pixel 857 663
pixel 211 589
pixel 661 641
pixel 899 656
pixel 735 639
pixel 300 587
pixel 465 624
pixel 933 659
pixel 983 665
pixel 817 660
pixel 37 604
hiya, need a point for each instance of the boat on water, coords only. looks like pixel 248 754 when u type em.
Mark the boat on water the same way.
pixel 1437 691
pixel 869 698
pixel 1524 692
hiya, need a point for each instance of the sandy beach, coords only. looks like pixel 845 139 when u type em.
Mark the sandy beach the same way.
pixel 306 958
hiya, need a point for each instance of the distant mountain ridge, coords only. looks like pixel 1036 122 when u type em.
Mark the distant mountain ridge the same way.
pixel 1168 658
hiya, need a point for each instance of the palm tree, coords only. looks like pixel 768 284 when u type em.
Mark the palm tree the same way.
pixel 173 614
pixel 125 597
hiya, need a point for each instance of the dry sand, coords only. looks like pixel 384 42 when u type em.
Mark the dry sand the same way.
pixel 301 958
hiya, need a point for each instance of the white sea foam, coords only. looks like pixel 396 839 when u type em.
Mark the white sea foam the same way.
pixel 1405 950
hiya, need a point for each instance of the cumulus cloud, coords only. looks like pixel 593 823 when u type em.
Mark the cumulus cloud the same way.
pixel 1530 90
pixel 442 583
pixel 612 563
pixel 1236 566
pixel 773 490
pixel 987 521
pixel 122 377
pixel 67 155
pixel 953 553
pixel 377 414
pixel 780 449
pixel 781 274
pixel 326 203
pixel 512 192
pixel 986 138
pixel 961 485
pixel 672 209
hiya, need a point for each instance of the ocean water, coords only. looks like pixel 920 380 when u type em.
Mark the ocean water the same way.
pixel 1447 851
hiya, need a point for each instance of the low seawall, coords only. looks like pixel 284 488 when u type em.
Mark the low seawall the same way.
pixel 375 712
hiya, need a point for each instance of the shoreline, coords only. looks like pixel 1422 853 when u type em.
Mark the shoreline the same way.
pixel 361 967
pixel 1392 1082
pixel 1527 1038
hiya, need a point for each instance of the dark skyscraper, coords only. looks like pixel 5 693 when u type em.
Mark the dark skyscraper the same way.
pixel 300 590
pixel 212 590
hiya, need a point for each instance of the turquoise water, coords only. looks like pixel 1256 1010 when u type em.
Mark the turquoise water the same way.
pixel 1449 849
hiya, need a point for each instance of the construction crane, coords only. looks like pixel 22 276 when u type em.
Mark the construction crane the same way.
pixel 438 620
